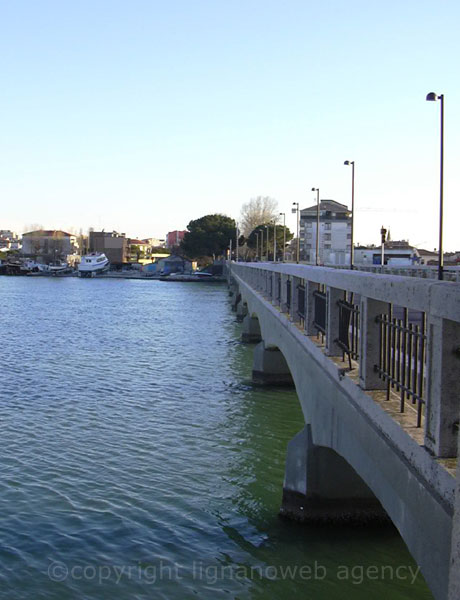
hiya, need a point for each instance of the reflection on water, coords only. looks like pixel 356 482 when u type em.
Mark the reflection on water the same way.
pixel 138 461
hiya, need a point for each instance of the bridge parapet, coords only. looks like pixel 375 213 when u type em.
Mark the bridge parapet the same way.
pixel 402 334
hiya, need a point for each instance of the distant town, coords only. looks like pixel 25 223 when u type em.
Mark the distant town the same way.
pixel 324 237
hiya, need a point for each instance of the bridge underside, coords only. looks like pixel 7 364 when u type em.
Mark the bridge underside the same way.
pixel 351 462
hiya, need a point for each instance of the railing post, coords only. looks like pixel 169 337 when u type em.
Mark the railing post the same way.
pixel 310 287
pixel 442 404
pixel 296 281
pixel 332 321
pixel 369 344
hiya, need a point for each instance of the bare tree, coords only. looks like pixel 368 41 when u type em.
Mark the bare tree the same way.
pixel 257 211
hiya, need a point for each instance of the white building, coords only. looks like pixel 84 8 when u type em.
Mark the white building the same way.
pixel 334 233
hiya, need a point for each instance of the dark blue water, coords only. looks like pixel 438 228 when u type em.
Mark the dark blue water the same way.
pixel 137 460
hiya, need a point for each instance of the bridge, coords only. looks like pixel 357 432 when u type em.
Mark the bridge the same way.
pixel 375 360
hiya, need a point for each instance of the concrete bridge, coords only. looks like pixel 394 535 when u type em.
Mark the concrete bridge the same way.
pixel 375 360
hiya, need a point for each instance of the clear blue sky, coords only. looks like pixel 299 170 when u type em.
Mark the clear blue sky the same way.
pixel 142 115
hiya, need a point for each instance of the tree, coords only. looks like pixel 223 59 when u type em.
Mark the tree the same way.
pixel 208 236
pixel 254 240
pixel 257 211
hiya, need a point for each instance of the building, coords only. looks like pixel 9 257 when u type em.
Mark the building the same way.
pixel 396 253
pixel 334 233
pixel 175 264
pixel 114 245
pixel 48 245
pixel 174 238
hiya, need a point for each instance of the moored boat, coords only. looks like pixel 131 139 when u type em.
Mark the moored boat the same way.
pixel 93 264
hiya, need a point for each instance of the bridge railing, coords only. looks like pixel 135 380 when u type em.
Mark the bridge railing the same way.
pixel 401 334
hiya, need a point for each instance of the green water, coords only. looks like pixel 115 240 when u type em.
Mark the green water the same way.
pixel 138 461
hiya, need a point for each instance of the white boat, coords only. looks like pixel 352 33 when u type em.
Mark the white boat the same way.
pixel 58 267
pixel 93 264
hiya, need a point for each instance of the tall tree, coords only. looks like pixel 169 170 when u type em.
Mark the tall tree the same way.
pixel 208 236
pixel 254 240
pixel 257 211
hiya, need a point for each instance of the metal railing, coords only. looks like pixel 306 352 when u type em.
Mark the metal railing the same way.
pixel 402 334
pixel 402 359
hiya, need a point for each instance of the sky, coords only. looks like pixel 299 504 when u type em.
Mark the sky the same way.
pixel 142 115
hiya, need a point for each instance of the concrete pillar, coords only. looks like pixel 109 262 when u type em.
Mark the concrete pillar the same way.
pixel 235 300
pixel 310 287
pixel 332 321
pixel 369 344
pixel 241 311
pixel 251 330
pixel 442 394
pixel 454 577
pixel 320 486
pixel 270 367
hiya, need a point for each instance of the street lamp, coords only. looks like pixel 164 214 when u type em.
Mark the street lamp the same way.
pixel 274 239
pixel 296 209
pixel 268 256
pixel 431 97
pixel 284 236
pixel 257 245
pixel 352 163
pixel 317 223
pixel 236 248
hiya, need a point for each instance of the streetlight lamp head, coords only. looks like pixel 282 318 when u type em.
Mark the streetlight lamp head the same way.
pixel 313 189
pixel 347 162
pixel 431 97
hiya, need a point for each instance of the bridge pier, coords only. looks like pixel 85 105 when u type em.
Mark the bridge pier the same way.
pixel 270 367
pixel 241 311
pixel 320 486
pixel 251 330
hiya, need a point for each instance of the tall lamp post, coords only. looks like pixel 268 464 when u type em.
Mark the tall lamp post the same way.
pixel 317 224
pixel 268 231
pixel 274 239
pixel 352 250
pixel 284 236
pixel 431 97
pixel 257 245
pixel 236 247
pixel 296 210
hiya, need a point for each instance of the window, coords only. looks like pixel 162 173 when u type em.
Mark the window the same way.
pixel 327 226
pixel 327 246
pixel 327 236
pixel 308 224
pixel 308 246
pixel 348 236
pixel 309 236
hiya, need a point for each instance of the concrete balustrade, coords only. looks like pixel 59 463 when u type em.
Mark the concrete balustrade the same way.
pixel 353 461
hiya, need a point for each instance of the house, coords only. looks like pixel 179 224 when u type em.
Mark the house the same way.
pixel 174 238
pixel 334 233
pixel 114 245
pixel 175 264
pixel 396 253
pixel 48 245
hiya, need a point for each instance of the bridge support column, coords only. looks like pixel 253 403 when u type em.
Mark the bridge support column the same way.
pixel 241 311
pixel 270 367
pixel 320 486
pixel 251 330
pixel 236 299
pixel 369 351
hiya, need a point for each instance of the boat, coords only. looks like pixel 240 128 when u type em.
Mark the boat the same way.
pixel 93 264
pixel 57 267
pixel 189 277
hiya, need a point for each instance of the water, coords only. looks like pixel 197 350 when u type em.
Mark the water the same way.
pixel 137 461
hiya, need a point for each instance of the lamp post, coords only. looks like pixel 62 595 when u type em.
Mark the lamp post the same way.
pixel 236 247
pixel 296 210
pixel 317 224
pixel 431 97
pixel 383 233
pixel 352 250
pixel 274 239
pixel 257 245
pixel 267 230
pixel 284 236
